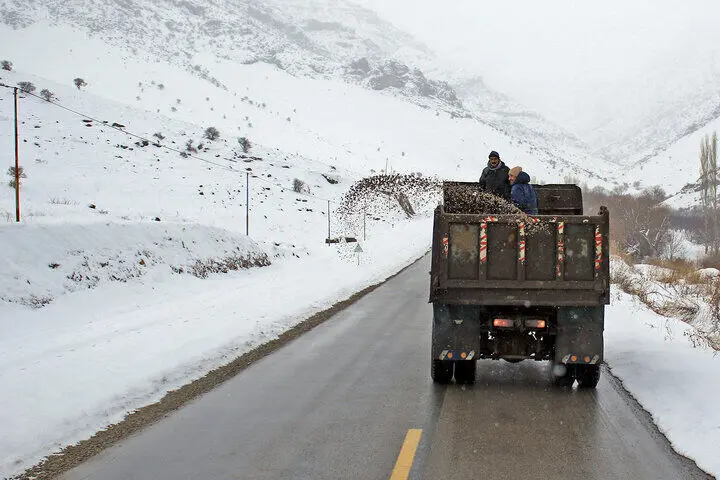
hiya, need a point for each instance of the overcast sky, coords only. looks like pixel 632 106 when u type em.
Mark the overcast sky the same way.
pixel 578 63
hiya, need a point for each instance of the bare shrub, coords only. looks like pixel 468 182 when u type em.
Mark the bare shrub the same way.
pixel 61 201
pixel 625 278
pixel 36 301
pixel 20 175
pixel 79 83
pixel 203 268
pixel 639 223
pixel 7 65
pixel 710 261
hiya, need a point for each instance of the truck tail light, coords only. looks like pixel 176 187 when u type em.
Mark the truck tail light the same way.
pixel 503 322
pixel 535 323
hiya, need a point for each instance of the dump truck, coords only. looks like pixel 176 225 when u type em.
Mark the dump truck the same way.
pixel 509 286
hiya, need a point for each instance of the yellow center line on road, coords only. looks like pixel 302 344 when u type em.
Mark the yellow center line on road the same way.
pixel 407 455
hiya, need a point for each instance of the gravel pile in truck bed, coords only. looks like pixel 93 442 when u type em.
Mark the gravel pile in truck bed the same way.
pixel 464 199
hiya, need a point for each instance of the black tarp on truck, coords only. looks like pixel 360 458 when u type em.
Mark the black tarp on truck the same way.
pixel 514 287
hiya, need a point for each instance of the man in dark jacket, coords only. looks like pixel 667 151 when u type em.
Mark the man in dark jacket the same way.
pixel 523 194
pixel 494 178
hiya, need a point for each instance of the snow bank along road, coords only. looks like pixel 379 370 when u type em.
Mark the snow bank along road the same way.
pixel 339 402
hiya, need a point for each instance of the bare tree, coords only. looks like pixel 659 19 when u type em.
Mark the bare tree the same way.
pixel 47 94
pixel 212 133
pixel 79 83
pixel 7 65
pixel 245 144
pixel 674 246
pixel 26 87
pixel 300 187
pixel 709 188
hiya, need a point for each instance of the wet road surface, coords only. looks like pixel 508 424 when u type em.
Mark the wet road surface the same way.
pixel 338 402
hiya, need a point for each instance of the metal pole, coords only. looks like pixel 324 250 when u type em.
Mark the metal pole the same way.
pixel 364 217
pixel 17 162
pixel 328 212
pixel 247 203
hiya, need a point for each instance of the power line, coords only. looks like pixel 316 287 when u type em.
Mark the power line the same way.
pixel 185 154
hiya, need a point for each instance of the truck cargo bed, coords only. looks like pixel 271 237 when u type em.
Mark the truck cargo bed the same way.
pixel 509 259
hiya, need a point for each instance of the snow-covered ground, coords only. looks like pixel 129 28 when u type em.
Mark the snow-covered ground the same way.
pixel 677 382
pixel 90 357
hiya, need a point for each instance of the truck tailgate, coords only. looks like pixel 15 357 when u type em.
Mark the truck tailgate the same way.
pixel 514 260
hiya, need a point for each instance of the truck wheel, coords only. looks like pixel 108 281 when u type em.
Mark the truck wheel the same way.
pixel 442 371
pixel 562 375
pixel 589 376
pixel 465 371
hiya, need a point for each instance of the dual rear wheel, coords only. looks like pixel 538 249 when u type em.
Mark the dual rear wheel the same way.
pixel 587 376
pixel 442 371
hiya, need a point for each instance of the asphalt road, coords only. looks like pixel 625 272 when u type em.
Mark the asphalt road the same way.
pixel 338 402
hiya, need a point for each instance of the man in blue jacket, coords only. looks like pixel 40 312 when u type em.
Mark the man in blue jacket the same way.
pixel 522 193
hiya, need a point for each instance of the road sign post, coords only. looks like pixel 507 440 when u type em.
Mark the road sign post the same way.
pixel 358 251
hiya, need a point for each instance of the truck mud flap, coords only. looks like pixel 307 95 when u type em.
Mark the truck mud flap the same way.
pixel 455 332
pixel 580 335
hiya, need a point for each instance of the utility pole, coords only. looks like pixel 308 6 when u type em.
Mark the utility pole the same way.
pixel 328 219
pixel 247 203
pixel 17 162
pixel 364 218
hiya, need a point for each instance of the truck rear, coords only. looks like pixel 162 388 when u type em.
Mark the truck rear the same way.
pixel 517 287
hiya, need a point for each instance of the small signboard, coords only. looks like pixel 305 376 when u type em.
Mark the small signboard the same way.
pixel 358 249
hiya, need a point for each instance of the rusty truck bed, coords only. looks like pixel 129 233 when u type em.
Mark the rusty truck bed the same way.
pixel 544 260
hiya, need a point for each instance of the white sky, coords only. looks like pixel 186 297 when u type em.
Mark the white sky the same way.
pixel 578 63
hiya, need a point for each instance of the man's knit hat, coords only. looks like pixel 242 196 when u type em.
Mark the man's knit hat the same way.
pixel 494 154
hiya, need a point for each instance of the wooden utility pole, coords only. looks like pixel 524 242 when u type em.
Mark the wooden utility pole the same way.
pixel 17 161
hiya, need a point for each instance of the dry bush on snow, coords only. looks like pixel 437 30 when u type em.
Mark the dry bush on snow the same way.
pixel 300 187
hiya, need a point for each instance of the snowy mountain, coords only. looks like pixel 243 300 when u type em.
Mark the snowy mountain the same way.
pixel 677 166
pixel 631 142
pixel 315 39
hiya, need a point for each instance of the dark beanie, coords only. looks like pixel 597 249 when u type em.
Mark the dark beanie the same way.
pixel 494 154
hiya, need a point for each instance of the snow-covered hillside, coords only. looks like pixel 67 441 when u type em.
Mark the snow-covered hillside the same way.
pixel 677 167
pixel 674 113
pixel 306 38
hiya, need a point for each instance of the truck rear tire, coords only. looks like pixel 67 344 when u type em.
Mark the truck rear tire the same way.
pixel 441 371
pixel 562 375
pixel 588 376
pixel 465 371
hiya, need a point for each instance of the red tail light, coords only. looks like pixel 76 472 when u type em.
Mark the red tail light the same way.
pixel 535 323
pixel 503 322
